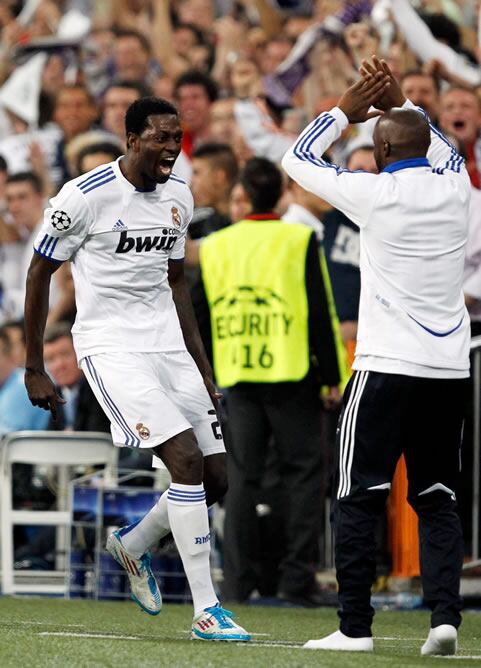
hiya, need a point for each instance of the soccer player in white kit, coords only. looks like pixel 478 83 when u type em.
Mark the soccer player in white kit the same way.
pixel 123 226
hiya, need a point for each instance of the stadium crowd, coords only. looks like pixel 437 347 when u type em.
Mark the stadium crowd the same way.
pixel 246 76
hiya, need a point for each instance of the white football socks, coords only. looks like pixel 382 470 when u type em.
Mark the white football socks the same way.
pixel 189 523
pixel 140 536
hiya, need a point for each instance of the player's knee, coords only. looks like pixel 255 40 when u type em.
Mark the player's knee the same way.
pixel 429 502
pixel 360 502
pixel 191 463
pixel 183 459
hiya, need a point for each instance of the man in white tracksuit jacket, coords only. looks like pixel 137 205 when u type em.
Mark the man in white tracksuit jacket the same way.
pixel 408 392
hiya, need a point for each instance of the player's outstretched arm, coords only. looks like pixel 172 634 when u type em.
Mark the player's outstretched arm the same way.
pixel 188 324
pixel 40 388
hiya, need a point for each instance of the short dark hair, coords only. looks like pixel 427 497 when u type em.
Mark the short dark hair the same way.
pixel 197 32
pixel 56 331
pixel 142 89
pixel 262 181
pixel 139 111
pixel 198 78
pixel 220 155
pixel 416 72
pixel 100 147
pixel 27 177
pixel 128 32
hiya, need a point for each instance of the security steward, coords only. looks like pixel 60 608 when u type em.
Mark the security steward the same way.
pixel 273 348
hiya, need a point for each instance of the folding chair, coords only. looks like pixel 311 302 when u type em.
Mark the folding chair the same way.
pixel 48 448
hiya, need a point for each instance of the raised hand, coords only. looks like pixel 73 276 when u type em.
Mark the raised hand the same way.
pixel 392 95
pixel 363 94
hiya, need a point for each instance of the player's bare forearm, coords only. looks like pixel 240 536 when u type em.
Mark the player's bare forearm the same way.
pixel 40 388
pixel 188 323
pixel 190 330
pixel 36 309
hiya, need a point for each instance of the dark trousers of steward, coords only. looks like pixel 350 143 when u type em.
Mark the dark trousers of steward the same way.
pixel 291 412
pixel 385 415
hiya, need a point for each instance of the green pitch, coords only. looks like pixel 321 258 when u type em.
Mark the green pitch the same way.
pixel 51 632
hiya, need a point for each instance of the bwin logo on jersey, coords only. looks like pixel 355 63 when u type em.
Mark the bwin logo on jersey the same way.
pixel 201 540
pixel 145 244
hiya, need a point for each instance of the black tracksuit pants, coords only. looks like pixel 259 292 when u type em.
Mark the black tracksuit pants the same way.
pixel 383 416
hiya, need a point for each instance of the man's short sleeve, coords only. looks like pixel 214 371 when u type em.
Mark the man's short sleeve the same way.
pixel 178 251
pixel 66 223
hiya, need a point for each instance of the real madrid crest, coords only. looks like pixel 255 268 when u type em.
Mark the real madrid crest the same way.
pixel 144 432
pixel 175 216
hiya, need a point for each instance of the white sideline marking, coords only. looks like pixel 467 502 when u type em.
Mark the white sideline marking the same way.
pixel 459 656
pixel 68 634
pixel 25 623
pixel 396 638
pixel 267 643
pixel 71 634
pixel 288 644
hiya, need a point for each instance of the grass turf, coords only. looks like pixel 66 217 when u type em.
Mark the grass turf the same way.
pixel 52 632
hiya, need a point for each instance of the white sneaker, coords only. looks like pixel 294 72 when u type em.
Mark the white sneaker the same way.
pixel 338 642
pixel 145 590
pixel 215 623
pixel 442 641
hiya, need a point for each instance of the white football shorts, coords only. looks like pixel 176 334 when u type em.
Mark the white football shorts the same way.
pixel 151 397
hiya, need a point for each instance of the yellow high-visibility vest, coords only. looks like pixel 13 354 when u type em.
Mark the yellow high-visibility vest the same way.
pixel 254 278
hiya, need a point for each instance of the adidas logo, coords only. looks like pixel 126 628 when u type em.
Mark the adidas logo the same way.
pixel 119 226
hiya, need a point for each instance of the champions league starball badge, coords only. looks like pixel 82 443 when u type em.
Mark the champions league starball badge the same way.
pixel 144 432
pixel 60 220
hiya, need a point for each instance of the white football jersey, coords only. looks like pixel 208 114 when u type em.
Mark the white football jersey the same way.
pixel 119 240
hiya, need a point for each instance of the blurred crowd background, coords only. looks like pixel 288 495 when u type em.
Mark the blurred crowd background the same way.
pixel 246 76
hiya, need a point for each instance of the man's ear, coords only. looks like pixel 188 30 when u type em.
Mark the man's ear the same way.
pixel 386 146
pixel 133 142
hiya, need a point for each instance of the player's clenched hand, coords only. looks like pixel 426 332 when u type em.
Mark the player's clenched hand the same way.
pixel 392 95
pixel 41 391
pixel 360 96
pixel 212 390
